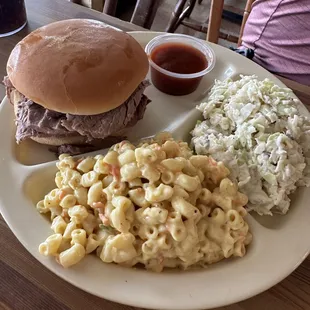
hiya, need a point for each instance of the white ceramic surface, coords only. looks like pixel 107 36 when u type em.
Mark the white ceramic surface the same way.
pixel 280 242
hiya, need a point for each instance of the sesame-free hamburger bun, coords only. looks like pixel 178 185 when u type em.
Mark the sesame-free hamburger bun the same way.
pixel 77 66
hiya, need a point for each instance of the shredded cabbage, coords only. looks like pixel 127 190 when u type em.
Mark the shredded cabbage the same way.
pixel 255 128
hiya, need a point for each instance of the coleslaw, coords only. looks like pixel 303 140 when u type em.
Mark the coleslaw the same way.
pixel 255 128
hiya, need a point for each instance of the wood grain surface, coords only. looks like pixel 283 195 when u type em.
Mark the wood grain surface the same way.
pixel 25 284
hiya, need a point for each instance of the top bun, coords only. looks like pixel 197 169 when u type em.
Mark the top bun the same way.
pixel 77 66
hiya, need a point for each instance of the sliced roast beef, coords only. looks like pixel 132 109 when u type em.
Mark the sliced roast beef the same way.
pixel 103 125
pixel 33 120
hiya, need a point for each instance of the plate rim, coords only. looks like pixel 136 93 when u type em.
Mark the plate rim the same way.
pixel 145 304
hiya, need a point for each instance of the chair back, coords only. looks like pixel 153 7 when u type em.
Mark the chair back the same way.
pixel 143 15
pixel 246 14
pixel 215 18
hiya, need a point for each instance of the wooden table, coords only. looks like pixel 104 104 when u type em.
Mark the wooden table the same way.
pixel 26 284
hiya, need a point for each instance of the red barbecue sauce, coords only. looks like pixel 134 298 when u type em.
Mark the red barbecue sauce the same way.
pixel 177 58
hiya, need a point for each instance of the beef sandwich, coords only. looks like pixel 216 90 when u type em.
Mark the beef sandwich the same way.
pixel 76 85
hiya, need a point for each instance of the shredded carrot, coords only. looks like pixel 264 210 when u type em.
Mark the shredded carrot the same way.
pixel 212 161
pixel 107 165
pixel 115 171
pixel 65 215
pixel 62 194
pixel 105 221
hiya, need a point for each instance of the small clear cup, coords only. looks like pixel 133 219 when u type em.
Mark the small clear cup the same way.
pixel 178 84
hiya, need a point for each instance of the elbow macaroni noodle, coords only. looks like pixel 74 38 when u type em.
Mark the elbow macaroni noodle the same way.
pixel 156 204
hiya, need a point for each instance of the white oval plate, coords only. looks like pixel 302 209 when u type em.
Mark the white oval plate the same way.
pixel 280 242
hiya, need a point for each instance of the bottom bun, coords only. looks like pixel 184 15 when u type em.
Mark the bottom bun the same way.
pixel 14 97
pixel 57 141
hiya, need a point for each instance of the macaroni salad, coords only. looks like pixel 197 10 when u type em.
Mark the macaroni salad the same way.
pixel 156 204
